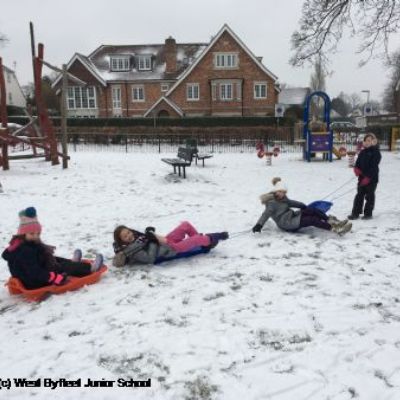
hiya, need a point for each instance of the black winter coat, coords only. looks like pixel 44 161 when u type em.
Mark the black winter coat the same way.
pixel 30 263
pixel 368 162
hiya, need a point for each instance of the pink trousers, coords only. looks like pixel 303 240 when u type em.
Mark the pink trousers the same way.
pixel 185 237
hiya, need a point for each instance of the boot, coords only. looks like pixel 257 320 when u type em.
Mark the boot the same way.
pixel 77 257
pixel 216 237
pixel 98 263
pixel 333 221
pixel 367 217
pixel 342 230
pixel 353 216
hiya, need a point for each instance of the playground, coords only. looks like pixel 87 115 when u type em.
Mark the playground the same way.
pixel 270 315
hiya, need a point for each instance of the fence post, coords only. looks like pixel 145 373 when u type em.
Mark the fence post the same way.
pixel 126 143
pixel 351 155
pixel 268 156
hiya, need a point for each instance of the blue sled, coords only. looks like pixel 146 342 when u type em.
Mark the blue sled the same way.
pixel 321 205
pixel 194 252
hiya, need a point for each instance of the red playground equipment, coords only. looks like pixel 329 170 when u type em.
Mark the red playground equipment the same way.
pixel 39 131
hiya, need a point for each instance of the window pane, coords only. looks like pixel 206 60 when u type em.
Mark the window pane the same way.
pixel 84 98
pixel 78 103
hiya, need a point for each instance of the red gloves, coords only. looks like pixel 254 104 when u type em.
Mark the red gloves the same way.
pixel 365 181
pixel 57 279
pixel 357 171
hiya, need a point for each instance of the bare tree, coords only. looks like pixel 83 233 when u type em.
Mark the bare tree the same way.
pixel 323 21
pixel 317 82
pixel 389 96
pixel 3 39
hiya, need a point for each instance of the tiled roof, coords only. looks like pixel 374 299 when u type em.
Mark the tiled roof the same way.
pixel 186 53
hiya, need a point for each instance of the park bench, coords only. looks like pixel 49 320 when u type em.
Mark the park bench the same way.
pixel 183 160
pixel 200 156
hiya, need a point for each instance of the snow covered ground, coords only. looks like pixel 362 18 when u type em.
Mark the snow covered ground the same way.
pixel 267 316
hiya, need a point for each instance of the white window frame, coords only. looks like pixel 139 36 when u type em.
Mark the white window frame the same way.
pixel 144 63
pixel 116 97
pixel 120 63
pixel 238 90
pixel 164 87
pixel 223 92
pixel 228 60
pixel 191 89
pixel 136 89
pixel 257 92
pixel 78 95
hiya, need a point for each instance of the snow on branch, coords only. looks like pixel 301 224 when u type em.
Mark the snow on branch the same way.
pixel 322 24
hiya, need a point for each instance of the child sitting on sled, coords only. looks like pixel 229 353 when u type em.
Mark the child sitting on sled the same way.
pixel 131 246
pixel 279 207
pixel 33 262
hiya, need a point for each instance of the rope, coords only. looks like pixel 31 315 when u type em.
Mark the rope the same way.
pixel 341 195
pixel 237 234
pixel 344 184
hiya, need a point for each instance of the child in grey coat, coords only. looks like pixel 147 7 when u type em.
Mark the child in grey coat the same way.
pixel 279 207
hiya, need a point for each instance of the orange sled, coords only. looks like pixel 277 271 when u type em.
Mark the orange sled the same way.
pixel 15 286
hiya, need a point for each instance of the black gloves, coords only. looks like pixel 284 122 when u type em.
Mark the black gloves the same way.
pixel 151 237
pixel 150 229
pixel 257 228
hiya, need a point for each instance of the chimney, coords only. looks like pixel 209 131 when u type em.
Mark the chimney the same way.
pixel 170 55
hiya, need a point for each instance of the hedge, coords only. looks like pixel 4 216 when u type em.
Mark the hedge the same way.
pixel 177 122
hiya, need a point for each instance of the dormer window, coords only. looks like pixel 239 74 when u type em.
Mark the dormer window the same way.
pixel 120 63
pixel 144 63
pixel 226 60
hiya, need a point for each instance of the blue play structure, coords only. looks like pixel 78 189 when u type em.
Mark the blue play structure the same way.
pixel 318 142
pixel 193 252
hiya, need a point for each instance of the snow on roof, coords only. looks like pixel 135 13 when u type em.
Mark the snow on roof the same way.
pixel 9 70
pixel 100 59
pixel 293 96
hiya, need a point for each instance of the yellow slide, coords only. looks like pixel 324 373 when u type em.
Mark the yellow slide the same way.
pixel 336 152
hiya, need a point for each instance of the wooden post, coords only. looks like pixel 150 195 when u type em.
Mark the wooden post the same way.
pixel 4 120
pixel 64 133
pixel 44 120
pixel 268 156
pixel 351 158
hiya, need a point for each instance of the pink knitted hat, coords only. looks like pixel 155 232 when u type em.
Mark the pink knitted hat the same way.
pixel 28 222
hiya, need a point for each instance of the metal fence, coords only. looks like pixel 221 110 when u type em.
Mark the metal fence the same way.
pixel 221 143
pixel 169 143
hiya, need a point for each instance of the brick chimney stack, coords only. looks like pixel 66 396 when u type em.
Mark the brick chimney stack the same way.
pixel 170 55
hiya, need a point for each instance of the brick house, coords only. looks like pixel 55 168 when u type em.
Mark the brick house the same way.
pixel 14 95
pixel 220 78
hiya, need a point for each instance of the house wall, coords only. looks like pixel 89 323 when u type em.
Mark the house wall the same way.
pixel 14 95
pixel 247 71
pixel 129 107
pixel 246 74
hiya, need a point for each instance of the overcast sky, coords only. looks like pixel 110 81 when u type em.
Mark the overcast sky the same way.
pixel 265 26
